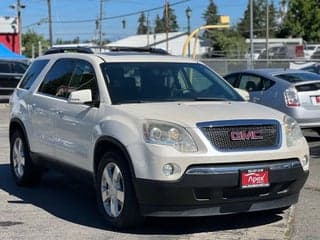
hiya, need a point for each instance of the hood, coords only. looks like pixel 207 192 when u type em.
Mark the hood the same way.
pixel 188 114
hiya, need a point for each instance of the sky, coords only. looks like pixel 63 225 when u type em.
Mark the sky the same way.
pixel 36 11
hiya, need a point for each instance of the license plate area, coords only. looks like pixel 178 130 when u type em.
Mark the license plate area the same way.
pixel 255 178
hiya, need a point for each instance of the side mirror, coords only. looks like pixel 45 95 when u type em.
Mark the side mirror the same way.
pixel 80 97
pixel 244 94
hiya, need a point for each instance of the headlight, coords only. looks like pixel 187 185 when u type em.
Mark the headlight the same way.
pixel 165 133
pixel 292 130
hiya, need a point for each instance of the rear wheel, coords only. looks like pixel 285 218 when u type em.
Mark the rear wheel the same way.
pixel 24 171
pixel 115 193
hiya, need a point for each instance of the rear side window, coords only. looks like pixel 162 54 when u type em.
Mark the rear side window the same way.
pixel 232 79
pixel 32 73
pixel 19 67
pixel 5 67
pixel 253 83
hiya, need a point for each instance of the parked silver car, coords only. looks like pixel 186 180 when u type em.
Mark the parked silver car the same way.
pixel 294 92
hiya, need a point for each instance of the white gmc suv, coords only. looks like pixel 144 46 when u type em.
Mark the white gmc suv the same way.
pixel 159 135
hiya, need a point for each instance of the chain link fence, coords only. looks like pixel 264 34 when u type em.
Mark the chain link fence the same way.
pixel 224 66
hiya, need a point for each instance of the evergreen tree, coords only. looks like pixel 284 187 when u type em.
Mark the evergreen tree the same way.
pixel 159 26
pixel 142 28
pixel 161 23
pixel 224 42
pixel 273 20
pixel 211 16
pixel 259 20
pixel 302 20
pixel 172 20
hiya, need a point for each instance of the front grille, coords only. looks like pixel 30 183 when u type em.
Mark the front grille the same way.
pixel 221 136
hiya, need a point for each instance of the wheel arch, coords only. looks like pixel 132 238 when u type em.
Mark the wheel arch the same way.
pixel 106 143
pixel 15 124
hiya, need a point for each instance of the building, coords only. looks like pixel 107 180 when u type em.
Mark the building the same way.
pixel 176 41
pixel 9 33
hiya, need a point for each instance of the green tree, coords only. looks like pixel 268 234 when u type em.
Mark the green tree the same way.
pixel 259 20
pixel 302 20
pixel 224 42
pixel 31 38
pixel 142 27
pixel 211 16
pixel 161 24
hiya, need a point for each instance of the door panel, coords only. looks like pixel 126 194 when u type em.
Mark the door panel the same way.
pixel 74 130
pixel 42 120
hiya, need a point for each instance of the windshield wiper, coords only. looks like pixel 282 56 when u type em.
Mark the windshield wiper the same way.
pixel 209 99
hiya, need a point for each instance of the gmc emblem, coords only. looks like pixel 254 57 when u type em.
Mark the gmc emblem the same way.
pixel 246 135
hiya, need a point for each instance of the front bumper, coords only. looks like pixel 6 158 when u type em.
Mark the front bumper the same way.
pixel 206 190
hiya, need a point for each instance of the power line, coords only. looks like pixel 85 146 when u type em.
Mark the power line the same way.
pixel 122 15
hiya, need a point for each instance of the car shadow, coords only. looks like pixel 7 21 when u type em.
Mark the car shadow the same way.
pixel 313 141
pixel 74 201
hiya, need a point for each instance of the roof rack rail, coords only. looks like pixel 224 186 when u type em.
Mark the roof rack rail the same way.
pixel 138 49
pixel 68 49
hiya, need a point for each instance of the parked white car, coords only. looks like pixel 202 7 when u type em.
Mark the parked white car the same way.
pixel 310 49
pixel 159 135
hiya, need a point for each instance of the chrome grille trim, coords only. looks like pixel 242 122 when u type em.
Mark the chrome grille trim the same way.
pixel 236 167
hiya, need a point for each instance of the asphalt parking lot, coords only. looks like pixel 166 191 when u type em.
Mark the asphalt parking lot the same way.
pixel 63 208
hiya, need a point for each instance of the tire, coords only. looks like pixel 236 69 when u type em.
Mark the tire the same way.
pixel 115 193
pixel 24 171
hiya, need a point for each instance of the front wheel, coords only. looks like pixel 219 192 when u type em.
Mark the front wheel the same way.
pixel 115 193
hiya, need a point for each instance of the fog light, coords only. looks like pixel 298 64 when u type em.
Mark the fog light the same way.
pixel 305 162
pixel 168 169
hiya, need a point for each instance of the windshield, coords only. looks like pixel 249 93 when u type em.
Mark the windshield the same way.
pixel 311 47
pixel 298 77
pixel 162 81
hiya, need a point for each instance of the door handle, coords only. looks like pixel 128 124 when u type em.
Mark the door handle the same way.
pixel 60 113
pixel 256 99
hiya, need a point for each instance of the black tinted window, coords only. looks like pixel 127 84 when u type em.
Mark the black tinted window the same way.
pixel 32 73
pixel 57 78
pixel 232 79
pixel 68 75
pixel 83 77
pixel 5 67
pixel 19 67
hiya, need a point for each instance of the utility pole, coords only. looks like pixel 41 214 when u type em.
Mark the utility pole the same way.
pixel 100 25
pixel 50 23
pixel 167 25
pixel 267 33
pixel 19 23
pixel 19 6
pixel 251 34
pixel 188 14
pixel 148 30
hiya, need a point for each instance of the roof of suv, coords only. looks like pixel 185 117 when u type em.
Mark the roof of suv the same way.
pixel 123 54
